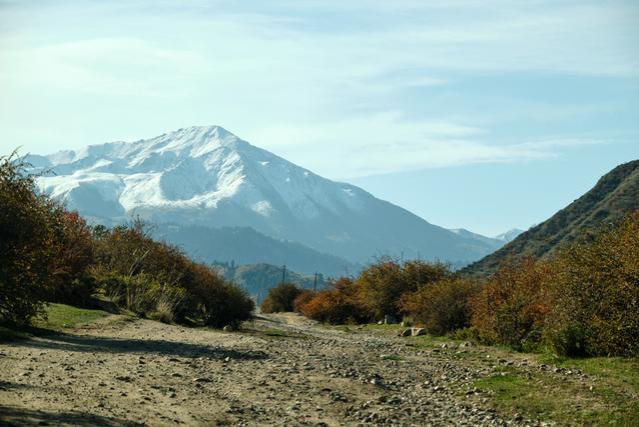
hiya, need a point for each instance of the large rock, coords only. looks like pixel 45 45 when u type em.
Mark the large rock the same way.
pixel 415 332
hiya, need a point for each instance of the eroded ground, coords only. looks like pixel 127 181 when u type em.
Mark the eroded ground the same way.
pixel 280 370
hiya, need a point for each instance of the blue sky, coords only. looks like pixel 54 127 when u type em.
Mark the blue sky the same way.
pixel 478 114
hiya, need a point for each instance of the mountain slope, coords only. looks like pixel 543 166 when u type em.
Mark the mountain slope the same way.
pixel 243 245
pixel 206 176
pixel 257 279
pixel 509 235
pixel 495 242
pixel 616 194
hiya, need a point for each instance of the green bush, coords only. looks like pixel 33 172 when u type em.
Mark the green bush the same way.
pixel 381 285
pixel 212 299
pixel 595 294
pixel 26 236
pixel 443 306
pixel 157 280
pixel 281 298
pixel 77 292
pixel 512 307
pixel 72 248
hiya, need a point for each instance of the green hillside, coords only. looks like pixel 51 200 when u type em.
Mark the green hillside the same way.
pixel 616 194
pixel 257 279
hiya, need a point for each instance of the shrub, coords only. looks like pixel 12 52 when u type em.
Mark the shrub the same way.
pixel 167 303
pixel 73 249
pixel 338 304
pixel 130 250
pixel 442 306
pixel 512 307
pixel 381 285
pixel 47 253
pixel 77 292
pixel 213 300
pixel 157 280
pixel 280 298
pixel 302 299
pixel 26 236
pixel 133 293
pixel 595 294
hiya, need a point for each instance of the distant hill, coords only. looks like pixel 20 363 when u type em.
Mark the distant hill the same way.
pixel 257 279
pixel 509 235
pixel 244 245
pixel 616 194
pixel 492 242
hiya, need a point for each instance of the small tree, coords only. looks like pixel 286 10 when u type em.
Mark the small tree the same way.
pixel 442 306
pixel 213 299
pixel 280 298
pixel 302 299
pixel 595 294
pixel 381 285
pixel 73 256
pixel 26 243
pixel 512 307
pixel 337 304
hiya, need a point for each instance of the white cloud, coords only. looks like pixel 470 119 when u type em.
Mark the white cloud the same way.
pixel 114 66
pixel 312 80
pixel 386 143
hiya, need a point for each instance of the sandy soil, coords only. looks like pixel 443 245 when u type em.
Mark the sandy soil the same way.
pixel 280 370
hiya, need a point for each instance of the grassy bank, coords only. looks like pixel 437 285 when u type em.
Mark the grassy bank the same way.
pixel 569 391
pixel 61 316
pixel 605 393
pixel 57 318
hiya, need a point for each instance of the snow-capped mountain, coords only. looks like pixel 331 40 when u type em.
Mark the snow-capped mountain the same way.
pixel 509 235
pixel 206 176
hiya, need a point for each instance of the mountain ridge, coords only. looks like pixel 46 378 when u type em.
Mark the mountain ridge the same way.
pixel 509 235
pixel 246 246
pixel 206 176
pixel 614 195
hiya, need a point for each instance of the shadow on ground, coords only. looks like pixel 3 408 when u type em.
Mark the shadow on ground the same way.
pixel 6 385
pixel 12 416
pixel 93 344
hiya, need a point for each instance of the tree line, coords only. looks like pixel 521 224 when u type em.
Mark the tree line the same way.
pixel 582 301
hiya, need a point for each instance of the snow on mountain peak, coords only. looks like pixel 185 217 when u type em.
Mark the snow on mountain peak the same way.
pixel 509 235
pixel 206 176
pixel 196 140
pixel 196 170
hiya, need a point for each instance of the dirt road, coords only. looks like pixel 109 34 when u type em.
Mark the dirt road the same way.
pixel 281 370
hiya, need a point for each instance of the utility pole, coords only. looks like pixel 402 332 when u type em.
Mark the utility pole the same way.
pixel 284 274
pixel 315 283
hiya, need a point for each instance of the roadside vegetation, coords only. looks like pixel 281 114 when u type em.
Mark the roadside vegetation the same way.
pixel 281 298
pixel 538 386
pixel 582 302
pixel 50 255
pixel 552 339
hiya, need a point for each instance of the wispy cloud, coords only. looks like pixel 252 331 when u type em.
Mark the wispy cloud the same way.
pixel 372 82
pixel 393 144
pixel 114 66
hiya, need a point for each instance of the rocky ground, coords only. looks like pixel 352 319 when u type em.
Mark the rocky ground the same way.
pixel 279 370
